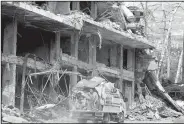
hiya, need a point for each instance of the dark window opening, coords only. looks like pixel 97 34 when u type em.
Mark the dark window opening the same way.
pixel 85 6
pixel 109 57
pixel 40 3
pixel 4 23
pixel 34 41
pixel 83 50
pixel 65 45
pixel 70 5
pixel 125 58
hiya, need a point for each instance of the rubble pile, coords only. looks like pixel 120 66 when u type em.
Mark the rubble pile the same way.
pixel 168 112
pixel 180 103
pixel 77 16
pixel 111 24
pixel 42 114
pixel 151 108
pixel 12 115
pixel 80 14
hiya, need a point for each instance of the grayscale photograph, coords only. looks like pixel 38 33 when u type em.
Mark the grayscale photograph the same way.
pixel 92 62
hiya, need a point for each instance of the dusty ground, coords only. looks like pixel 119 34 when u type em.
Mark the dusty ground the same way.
pixel 166 120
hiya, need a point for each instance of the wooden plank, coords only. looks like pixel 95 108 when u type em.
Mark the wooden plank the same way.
pixel 9 74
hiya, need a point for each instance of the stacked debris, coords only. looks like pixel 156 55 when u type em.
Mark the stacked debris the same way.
pixel 42 114
pixel 12 115
pixel 180 103
pixel 121 17
pixel 111 24
pixel 151 108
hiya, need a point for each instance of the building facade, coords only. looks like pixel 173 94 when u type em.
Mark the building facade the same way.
pixel 55 37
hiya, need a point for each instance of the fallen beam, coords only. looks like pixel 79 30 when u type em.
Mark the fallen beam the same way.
pixel 151 77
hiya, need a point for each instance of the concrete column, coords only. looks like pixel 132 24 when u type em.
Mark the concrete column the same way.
pixel 55 55
pixel 55 50
pixel 90 50
pixel 183 61
pixel 113 56
pixel 133 69
pixel 75 5
pixel 9 73
pixel 58 42
pixel 130 61
pixel 120 64
pixel 74 53
pixel 93 9
pixel 95 72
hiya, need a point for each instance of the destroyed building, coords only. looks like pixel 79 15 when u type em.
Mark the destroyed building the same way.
pixel 74 36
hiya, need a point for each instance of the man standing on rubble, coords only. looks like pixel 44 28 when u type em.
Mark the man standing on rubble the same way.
pixel 93 101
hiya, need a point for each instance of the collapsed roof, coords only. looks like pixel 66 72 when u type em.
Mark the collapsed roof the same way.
pixel 31 15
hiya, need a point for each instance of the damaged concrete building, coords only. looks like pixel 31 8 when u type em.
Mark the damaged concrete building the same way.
pixel 54 35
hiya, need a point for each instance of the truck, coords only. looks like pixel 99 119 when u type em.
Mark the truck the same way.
pixel 106 104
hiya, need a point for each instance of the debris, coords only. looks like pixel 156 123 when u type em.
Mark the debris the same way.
pixel 45 106
pixel 180 103
pixel 151 78
pixel 151 108
pixel 12 115
pixel 14 119
pixel 128 14
pixel 78 14
pixel 168 112
pixel 111 24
